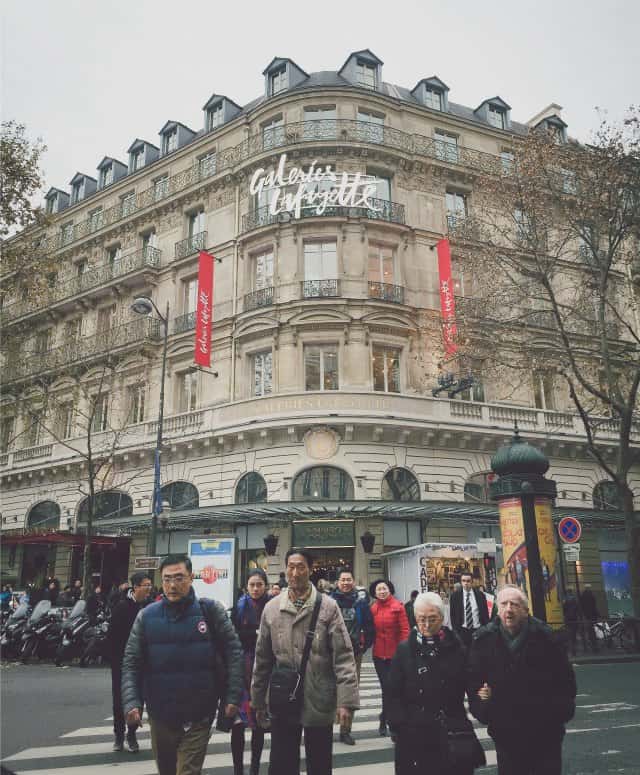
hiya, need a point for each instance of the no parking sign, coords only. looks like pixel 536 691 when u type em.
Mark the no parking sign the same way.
pixel 569 530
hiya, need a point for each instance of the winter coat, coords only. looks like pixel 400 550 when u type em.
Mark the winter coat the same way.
pixel 533 689
pixel 169 661
pixel 391 626
pixel 357 618
pixel 246 619
pixel 330 680
pixel 425 680
pixel 123 615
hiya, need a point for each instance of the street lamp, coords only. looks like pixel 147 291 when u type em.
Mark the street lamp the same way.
pixel 143 305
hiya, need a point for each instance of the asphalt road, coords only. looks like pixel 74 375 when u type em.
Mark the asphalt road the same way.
pixel 40 703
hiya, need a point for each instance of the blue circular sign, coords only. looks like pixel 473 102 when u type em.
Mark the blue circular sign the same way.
pixel 569 530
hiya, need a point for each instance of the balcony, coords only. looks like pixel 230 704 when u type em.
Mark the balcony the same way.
pixel 146 258
pixel 318 289
pixel 190 245
pixel 85 349
pixel 386 292
pixel 381 210
pixel 186 322
pixel 260 298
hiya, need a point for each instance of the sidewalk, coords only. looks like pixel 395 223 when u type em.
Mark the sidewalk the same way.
pixel 604 657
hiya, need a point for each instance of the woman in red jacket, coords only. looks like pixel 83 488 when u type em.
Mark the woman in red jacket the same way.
pixel 392 627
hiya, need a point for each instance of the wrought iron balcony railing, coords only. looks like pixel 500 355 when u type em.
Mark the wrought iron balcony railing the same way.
pixel 186 322
pixel 191 244
pixel 386 292
pixel 313 289
pixel 381 210
pixel 338 130
pixel 146 258
pixel 260 298
pixel 87 348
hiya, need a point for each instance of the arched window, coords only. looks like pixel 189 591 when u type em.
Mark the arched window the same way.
pixel 606 496
pixel 44 516
pixel 399 484
pixel 476 488
pixel 322 482
pixel 110 504
pixel 181 495
pixel 251 488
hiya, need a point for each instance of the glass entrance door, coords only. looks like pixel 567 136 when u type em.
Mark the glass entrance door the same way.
pixel 329 562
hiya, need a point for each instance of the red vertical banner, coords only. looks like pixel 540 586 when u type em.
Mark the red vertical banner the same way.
pixel 204 310
pixel 447 300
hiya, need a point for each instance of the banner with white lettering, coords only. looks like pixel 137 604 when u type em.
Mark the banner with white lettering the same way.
pixel 447 301
pixel 204 310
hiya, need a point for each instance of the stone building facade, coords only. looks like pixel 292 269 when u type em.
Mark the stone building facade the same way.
pixel 316 422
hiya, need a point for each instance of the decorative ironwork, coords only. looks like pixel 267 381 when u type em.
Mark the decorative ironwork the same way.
pixel 184 323
pixel 191 244
pixel 381 209
pixel 386 292
pixel 319 288
pixel 85 349
pixel 453 384
pixel 260 298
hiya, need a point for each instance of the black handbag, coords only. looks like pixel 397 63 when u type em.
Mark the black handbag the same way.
pixel 461 746
pixel 286 687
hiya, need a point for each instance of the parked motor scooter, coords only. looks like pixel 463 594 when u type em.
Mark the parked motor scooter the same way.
pixel 11 639
pixel 72 630
pixel 95 640
pixel 36 626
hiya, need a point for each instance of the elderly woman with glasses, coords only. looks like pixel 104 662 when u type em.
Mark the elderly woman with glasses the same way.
pixel 425 693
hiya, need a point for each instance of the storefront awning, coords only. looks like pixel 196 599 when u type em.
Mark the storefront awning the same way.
pixel 58 538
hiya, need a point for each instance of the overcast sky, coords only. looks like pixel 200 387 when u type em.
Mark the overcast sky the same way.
pixel 89 77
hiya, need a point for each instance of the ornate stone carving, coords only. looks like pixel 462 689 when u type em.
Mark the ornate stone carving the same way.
pixel 321 443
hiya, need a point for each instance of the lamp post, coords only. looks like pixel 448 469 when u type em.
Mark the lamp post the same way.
pixel 143 305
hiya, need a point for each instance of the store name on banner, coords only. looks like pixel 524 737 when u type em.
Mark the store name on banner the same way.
pixel 205 317
pixel 347 190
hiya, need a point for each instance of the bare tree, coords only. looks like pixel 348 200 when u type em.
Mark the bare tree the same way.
pixel 550 253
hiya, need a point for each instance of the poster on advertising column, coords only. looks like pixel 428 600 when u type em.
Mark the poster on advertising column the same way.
pixel 516 567
pixel 213 566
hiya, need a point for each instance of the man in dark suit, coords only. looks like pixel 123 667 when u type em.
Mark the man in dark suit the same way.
pixel 468 609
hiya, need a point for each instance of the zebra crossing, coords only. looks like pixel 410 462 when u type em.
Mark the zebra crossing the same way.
pixel 87 751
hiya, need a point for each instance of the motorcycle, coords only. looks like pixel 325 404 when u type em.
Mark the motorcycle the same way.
pixel 11 639
pixel 95 642
pixel 37 625
pixel 72 630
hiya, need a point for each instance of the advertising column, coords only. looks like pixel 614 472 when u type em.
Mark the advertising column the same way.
pixel 213 565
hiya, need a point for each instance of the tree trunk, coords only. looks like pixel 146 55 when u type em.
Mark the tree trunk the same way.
pixel 632 530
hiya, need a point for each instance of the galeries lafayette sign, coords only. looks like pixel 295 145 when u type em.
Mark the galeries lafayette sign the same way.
pixel 315 188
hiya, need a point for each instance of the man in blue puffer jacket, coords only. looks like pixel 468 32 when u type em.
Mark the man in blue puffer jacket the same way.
pixel 170 664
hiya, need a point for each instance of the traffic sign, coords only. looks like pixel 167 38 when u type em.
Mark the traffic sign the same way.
pixel 571 552
pixel 569 530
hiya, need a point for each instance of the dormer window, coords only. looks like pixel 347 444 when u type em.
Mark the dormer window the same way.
pixel 433 98
pixel 496 116
pixel 77 191
pixel 278 80
pixel 215 117
pixel 170 141
pixel 52 205
pixel 106 176
pixel 366 74
pixel 137 159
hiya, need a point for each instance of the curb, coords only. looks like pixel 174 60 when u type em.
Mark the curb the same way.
pixel 596 659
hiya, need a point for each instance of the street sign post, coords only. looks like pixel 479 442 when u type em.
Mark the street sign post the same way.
pixel 569 530
pixel 571 552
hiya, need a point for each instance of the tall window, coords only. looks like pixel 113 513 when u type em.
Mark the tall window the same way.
pixel 161 187
pixel 381 264
pixel 106 176
pixel 262 364
pixel 207 165
pixel 72 330
pixel 507 160
pixel 446 146
pixel 544 390
pixel 137 159
pixel 66 233
pixel 44 516
pixel 77 191
pixel 321 367
pixel 196 223
pixel 476 488
pixel 149 240
pixel 399 484
pixel 386 369
pixel 128 203
pixel 187 399
pixel 65 420
pixel 320 263
pixel 323 125
pixel 263 271
pixel 273 133
pixel 433 98
pixel 136 401
pixel 456 205
pixel 181 495
pixel 43 341
pixel 366 74
pixel 95 219
pixel 114 254
pixel 251 488
pixel 100 419
pixel 278 80
pixel 190 295
pixel 370 127
pixel 106 318
pixel 383 188
pixel 472 368
pixel 6 433
pixel 323 482
pixel 215 117
pixel 497 117
pixel 170 141
pixel 33 432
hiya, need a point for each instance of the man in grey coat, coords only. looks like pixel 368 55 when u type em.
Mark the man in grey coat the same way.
pixel 330 681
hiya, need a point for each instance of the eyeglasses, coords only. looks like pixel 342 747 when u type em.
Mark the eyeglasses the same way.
pixel 427 619
pixel 178 579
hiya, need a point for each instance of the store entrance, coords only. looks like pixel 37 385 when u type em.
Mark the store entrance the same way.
pixel 329 562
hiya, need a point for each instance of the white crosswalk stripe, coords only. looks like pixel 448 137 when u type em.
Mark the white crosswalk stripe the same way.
pixel 87 751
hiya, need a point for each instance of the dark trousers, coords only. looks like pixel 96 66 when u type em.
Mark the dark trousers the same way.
pixel 119 725
pixel 545 760
pixel 285 749
pixel 382 666
pixel 466 635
